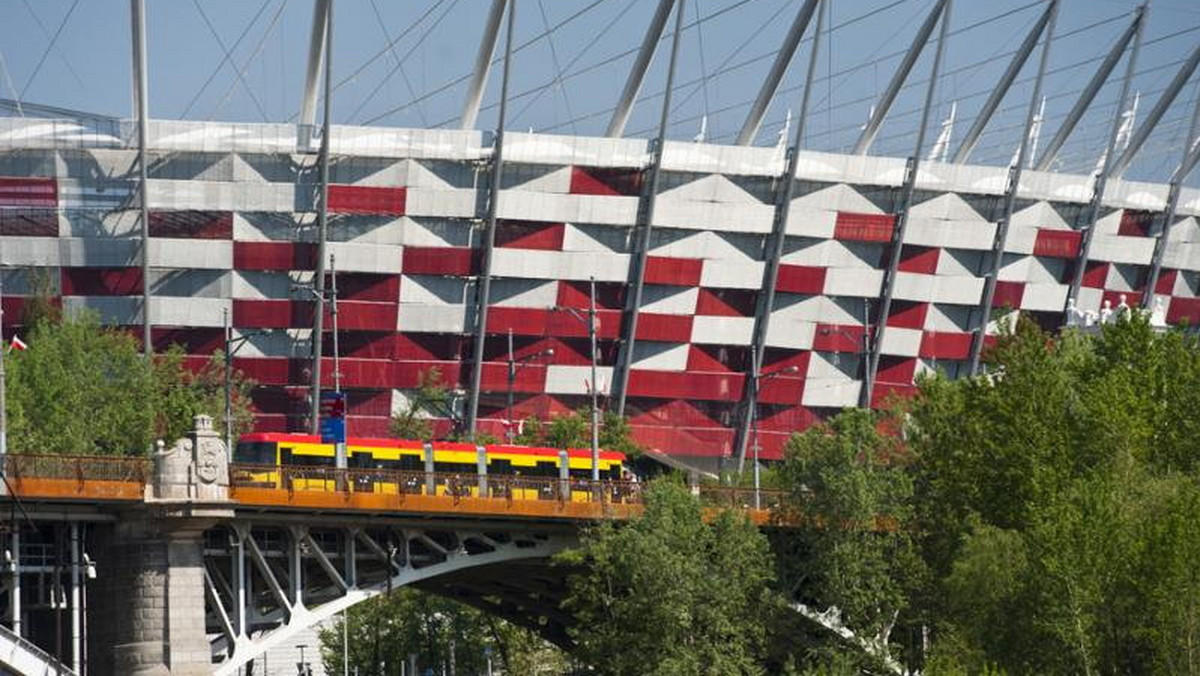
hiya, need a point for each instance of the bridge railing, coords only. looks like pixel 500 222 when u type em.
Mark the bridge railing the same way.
pixel 401 482
pixel 118 468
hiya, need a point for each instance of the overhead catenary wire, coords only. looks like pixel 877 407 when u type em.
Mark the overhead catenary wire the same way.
pixel 228 58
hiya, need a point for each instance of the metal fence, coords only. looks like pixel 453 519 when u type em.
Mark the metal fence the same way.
pixel 77 467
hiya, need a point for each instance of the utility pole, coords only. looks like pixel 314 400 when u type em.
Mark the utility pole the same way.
pixel 3 403
pixel 322 231
pixel 595 384
pixel 141 98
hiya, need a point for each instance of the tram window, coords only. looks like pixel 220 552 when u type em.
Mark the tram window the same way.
pixel 497 466
pixel 362 460
pixel 256 452
pixel 455 467
pixel 545 469
pixel 411 463
pixel 313 460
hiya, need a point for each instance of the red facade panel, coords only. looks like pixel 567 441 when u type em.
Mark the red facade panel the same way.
pixel 1057 243
pixel 683 385
pixel 1184 309
pixel 919 259
pixel 29 222
pixel 274 255
pixel 363 316
pixel 1096 275
pixel 673 271
pixel 272 314
pixel 1008 294
pixel 362 199
pixel 576 294
pixel 29 193
pixel 1136 223
pixel 381 288
pixel 195 341
pixel 603 181
pixel 838 338
pixel 945 345
pixel 530 377
pixel 712 359
pixel 908 315
pixel 527 235
pixel 192 224
pixel 439 260
pixel 665 328
pixel 855 227
pixel 685 441
pixel 806 279
pixel 101 281
pixel 726 302
pixel 1166 282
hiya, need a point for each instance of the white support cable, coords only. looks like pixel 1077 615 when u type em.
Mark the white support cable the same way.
pixel 228 57
pixel 49 47
pixel 249 60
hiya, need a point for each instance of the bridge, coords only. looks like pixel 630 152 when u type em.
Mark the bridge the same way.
pixel 186 564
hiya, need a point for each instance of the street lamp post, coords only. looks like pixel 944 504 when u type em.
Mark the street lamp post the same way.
pixel 513 365
pixel 232 345
pixel 593 327
pixel 759 379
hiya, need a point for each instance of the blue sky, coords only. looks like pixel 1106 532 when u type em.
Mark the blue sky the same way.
pixel 567 83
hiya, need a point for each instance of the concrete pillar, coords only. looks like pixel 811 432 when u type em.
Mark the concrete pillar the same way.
pixel 147 617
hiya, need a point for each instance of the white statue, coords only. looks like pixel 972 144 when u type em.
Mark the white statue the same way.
pixel 1073 314
pixel 1158 316
pixel 1123 309
pixel 1106 313
pixel 1089 318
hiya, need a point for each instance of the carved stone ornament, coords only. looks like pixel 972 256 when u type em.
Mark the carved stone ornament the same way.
pixel 209 459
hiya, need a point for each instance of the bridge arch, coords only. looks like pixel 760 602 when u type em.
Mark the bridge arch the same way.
pixel 266 583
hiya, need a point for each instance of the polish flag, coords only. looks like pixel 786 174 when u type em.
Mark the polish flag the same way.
pixel 18 344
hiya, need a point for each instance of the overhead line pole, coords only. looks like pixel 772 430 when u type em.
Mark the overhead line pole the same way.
pixel 483 291
pixel 141 105
pixel 770 85
pixel 1005 83
pixel 616 125
pixel 1010 194
pixel 1093 87
pixel 645 226
pixel 774 251
pixel 1155 116
pixel 1101 180
pixel 910 181
pixel 1191 153
pixel 898 79
pixel 318 330
pixel 483 65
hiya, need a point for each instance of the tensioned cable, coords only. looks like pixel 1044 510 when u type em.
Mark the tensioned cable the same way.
pixel 9 80
pixel 46 52
pixel 46 32
pixel 700 53
pixel 537 92
pixel 693 82
pixel 399 62
pixel 253 55
pixel 516 49
pixel 375 57
pixel 535 39
pixel 852 69
pixel 228 58
pixel 910 84
pixel 554 61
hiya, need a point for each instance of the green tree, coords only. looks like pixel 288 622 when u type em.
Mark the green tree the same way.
pixel 854 551
pixel 384 631
pixel 574 430
pixel 430 399
pixel 671 594
pixel 1056 502
pixel 82 388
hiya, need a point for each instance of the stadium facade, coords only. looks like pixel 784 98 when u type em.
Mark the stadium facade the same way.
pixel 232 233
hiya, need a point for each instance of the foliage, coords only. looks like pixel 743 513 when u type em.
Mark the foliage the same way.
pixel 430 399
pixel 1057 500
pixel 854 550
pixel 670 594
pixel 82 388
pixel 384 631
pixel 574 430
